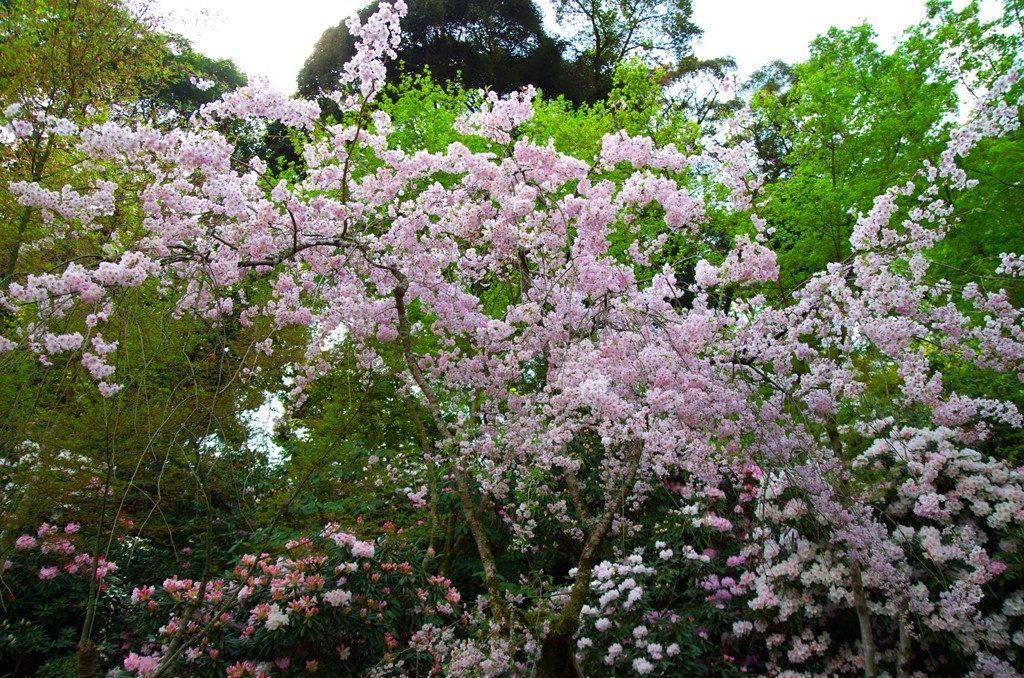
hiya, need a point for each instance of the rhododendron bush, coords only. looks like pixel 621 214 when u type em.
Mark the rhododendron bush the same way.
pixel 715 462
pixel 43 570
pixel 330 603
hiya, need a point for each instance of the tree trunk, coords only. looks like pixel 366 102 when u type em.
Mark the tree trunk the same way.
pixel 86 656
pixel 867 636
pixel 903 654
pixel 557 659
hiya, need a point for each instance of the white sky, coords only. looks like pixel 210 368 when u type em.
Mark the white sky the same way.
pixel 273 38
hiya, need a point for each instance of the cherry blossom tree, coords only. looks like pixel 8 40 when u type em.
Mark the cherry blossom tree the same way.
pixel 568 374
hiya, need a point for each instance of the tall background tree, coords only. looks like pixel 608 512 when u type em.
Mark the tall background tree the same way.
pixel 855 119
pixel 497 44
pixel 604 34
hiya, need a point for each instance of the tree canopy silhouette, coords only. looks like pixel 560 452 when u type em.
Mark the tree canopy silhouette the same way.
pixel 499 44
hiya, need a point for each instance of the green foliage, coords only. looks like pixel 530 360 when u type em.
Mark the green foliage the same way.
pixel 854 122
pixel 178 91
pixel 423 111
pixel 990 218
pixel 75 53
pixel 979 51
pixel 636 104
pixel 768 89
